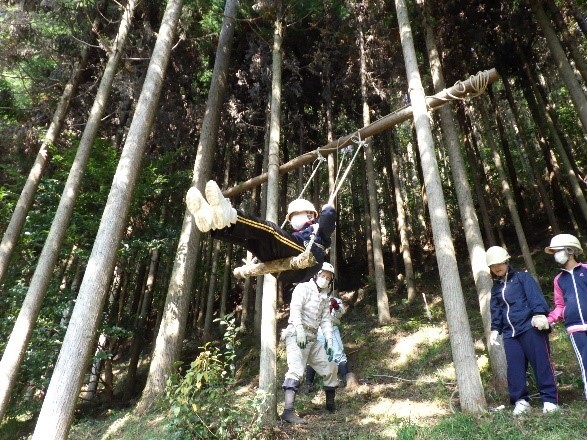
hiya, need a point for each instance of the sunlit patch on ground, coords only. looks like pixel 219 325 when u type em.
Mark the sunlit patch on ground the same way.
pixel 401 408
pixel 405 347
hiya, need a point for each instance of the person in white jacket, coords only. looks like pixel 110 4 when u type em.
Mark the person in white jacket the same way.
pixel 337 309
pixel 309 311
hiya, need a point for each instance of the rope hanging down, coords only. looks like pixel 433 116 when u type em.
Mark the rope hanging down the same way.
pixel 305 259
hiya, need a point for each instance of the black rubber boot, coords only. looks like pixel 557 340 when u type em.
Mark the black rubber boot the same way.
pixel 288 415
pixel 309 385
pixel 330 405
pixel 343 370
pixel 310 374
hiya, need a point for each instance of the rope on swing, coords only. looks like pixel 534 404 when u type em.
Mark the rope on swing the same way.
pixel 305 259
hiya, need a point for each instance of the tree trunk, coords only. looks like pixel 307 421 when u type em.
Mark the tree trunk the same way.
pixel 483 282
pixel 138 342
pixel 402 226
pixel 542 87
pixel 578 16
pixel 563 65
pixel 57 411
pixel 245 325
pixel 207 335
pixel 476 174
pixel 468 378
pixel 226 280
pixel 568 39
pixel 89 393
pixel 524 137
pixel 379 269
pixel 367 220
pixel 544 136
pixel 27 195
pixel 545 118
pixel 200 314
pixel 505 147
pixel 507 191
pixel 172 328
pixel 332 159
pixel 27 317
pixel 360 241
pixel 268 361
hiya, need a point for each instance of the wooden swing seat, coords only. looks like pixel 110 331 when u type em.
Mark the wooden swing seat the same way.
pixel 302 261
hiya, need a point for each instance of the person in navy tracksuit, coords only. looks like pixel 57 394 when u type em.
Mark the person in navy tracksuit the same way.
pixel 264 239
pixel 570 295
pixel 518 313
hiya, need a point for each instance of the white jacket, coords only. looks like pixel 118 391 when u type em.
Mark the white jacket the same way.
pixel 311 308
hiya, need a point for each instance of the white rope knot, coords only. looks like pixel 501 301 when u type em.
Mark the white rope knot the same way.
pixel 357 140
pixel 478 82
pixel 320 157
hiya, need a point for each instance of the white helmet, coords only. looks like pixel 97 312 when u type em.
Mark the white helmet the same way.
pixel 561 241
pixel 496 255
pixel 300 205
pixel 327 267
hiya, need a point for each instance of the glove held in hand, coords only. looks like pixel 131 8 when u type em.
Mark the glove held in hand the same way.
pixel 301 337
pixel 493 337
pixel 328 345
pixel 540 322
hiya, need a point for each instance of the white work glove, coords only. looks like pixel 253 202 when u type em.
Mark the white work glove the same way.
pixel 301 336
pixel 493 337
pixel 540 322
pixel 329 346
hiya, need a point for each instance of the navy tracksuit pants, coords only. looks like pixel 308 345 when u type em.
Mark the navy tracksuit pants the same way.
pixel 267 241
pixel 530 347
pixel 579 343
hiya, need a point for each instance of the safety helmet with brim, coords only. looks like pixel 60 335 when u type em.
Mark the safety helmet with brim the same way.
pixel 562 241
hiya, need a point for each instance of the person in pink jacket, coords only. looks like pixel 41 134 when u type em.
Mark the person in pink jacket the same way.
pixel 570 295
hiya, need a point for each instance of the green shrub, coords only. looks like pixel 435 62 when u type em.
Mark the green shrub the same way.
pixel 204 403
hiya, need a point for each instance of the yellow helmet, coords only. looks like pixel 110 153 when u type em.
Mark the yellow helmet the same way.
pixel 496 255
pixel 300 205
pixel 561 241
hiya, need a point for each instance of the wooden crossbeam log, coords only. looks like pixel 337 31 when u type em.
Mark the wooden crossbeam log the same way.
pixel 462 90
pixel 301 261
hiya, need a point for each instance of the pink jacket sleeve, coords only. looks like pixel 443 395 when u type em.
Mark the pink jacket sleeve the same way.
pixel 559 304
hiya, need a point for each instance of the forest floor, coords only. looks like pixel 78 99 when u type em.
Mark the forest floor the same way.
pixel 407 386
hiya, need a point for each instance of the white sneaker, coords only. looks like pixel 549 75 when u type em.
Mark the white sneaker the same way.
pixel 223 214
pixel 199 208
pixel 550 407
pixel 522 406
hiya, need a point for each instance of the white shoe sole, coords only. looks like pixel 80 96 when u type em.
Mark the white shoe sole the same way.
pixel 199 208
pixel 222 210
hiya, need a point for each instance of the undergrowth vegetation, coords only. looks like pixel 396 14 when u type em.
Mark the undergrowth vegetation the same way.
pixel 407 387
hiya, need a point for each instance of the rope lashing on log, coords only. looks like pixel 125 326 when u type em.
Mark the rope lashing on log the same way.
pixel 479 83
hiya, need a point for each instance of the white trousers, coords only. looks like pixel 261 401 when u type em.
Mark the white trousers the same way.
pixel 314 355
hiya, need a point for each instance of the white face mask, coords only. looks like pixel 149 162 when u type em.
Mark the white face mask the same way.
pixel 561 257
pixel 322 283
pixel 298 221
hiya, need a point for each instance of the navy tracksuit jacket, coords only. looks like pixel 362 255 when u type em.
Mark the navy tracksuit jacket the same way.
pixel 515 299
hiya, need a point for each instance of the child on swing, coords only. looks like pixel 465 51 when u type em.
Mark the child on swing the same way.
pixel 264 239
